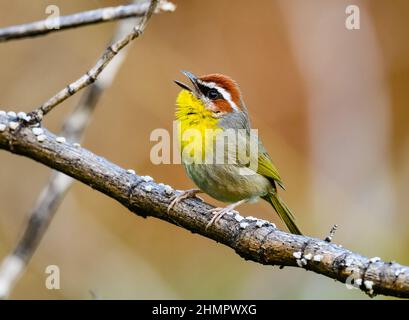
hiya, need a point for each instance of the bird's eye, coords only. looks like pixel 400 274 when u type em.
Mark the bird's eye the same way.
pixel 213 94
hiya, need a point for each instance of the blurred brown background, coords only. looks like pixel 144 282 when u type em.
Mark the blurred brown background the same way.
pixel 331 106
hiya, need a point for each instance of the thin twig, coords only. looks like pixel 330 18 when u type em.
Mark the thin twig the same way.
pixel 54 192
pixel 49 25
pixel 90 76
pixel 251 238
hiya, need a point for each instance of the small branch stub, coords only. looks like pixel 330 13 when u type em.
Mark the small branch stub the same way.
pixel 331 233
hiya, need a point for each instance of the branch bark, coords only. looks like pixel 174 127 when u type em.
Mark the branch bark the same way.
pixel 251 238
pixel 46 26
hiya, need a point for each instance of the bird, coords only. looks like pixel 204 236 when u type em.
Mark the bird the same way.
pixel 210 107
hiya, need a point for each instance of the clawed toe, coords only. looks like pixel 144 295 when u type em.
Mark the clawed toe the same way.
pixel 184 195
pixel 174 201
pixel 218 214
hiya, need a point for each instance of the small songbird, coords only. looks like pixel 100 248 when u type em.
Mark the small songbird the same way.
pixel 212 106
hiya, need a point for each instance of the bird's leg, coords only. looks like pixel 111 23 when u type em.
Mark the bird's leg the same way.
pixel 184 195
pixel 220 212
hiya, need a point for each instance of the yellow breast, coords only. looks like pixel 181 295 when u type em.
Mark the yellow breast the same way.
pixel 197 126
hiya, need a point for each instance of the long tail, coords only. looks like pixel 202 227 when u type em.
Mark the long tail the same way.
pixel 283 211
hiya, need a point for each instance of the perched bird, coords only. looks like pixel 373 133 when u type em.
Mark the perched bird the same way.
pixel 211 107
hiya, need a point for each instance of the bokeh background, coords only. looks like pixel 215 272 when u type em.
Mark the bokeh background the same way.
pixel 331 106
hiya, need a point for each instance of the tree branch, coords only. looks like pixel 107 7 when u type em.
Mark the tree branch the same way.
pixel 91 76
pixel 58 185
pixel 251 238
pixel 44 27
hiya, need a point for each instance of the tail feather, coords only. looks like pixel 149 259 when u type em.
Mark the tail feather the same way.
pixel 283 211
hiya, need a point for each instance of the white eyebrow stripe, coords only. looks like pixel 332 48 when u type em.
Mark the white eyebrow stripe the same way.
pixel 226 95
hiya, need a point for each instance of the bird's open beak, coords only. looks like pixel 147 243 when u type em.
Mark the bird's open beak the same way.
pixel 193 79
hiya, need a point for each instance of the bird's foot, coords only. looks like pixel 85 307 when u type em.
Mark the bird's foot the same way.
pixel 191 193
pixel 220 212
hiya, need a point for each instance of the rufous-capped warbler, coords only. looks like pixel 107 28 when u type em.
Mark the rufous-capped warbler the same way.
pixel 211 107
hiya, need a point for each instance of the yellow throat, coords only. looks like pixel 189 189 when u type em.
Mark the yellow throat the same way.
pixel 196 126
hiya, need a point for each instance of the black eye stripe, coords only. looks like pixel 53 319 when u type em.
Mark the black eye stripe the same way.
pixel 211 93
pixel 204 89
